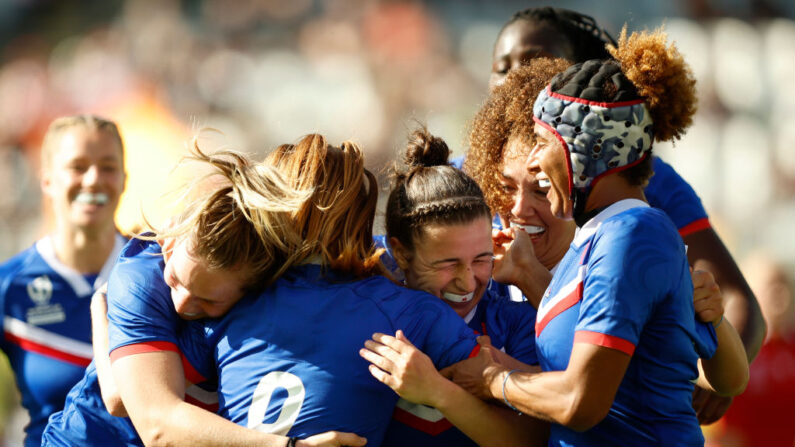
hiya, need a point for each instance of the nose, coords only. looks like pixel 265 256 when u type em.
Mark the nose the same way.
pixel 91 176
pixel 523 204
pixel 183 302
pixel 465 279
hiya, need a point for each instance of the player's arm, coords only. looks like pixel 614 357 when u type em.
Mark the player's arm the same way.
pixel 726 373
pixel 706 252
pixel 99 335
pixel 411 374
pixel 152 386
pixel 578 398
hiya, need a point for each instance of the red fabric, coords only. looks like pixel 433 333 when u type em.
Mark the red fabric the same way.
pixel 764 415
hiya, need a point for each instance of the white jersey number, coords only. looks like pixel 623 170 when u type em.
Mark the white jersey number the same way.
pixel 262 398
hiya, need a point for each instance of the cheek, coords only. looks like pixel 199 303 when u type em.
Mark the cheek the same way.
pixel 430 281
pixel 483 273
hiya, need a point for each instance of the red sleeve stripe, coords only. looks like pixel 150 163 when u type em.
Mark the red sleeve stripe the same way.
pixel 140 348
pixel 695 227
pixel 608 341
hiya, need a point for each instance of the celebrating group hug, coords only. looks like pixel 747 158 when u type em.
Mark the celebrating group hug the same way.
pixel 558 285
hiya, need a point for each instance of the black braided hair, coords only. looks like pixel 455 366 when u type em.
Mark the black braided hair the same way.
pixel 588 40
pixel 430 191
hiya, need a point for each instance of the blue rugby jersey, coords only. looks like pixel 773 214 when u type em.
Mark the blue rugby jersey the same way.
pixel 142 319
pixel 625 284
pixel 511 327
pixel 47 327
pixel 288 359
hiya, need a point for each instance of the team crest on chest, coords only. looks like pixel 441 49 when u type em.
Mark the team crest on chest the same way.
pixel 40 292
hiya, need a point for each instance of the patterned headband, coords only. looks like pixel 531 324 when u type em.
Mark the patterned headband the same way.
pixel 599 137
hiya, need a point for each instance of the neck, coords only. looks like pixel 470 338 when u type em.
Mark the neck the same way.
pixel 610 189
pixel 82 250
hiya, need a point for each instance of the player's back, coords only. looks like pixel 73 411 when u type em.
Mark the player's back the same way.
pixel 288 359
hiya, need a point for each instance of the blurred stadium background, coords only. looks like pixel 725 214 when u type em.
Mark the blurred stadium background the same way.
pixel 266 72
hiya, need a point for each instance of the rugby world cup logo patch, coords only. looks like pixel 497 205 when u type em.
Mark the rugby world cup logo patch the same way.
pixel 40 290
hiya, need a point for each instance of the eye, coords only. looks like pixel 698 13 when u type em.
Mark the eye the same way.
pixel 510 189
pixel 501 67
pixel 109 168
pixel 77 167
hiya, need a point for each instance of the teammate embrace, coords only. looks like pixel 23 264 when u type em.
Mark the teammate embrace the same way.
pixel 265 314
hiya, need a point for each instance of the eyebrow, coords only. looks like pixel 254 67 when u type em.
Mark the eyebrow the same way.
pixel 442 261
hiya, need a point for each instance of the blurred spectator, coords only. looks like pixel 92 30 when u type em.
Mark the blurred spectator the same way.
pixel 765 414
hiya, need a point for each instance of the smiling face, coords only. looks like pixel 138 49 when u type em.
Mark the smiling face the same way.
pixel 522 41
pixel 530 208
pixel 197 291
pixel 548 162
pixel 83 176
pixel 452 262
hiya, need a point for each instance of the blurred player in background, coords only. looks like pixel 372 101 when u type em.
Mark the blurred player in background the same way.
pixel 46 290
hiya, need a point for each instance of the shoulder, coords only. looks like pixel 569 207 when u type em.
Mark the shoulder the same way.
pixel 23 266
pixel 139 260
pixel 638 236
pixel 668 191
pixel 397 300
pixel 14 264
pixel 638 223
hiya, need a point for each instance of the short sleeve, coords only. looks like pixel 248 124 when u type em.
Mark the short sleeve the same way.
pixel 669 192
pixel 631 267
pixel 139 304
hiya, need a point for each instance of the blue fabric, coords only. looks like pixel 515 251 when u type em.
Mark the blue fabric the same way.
pixel 34 297
pixel 510 325
pixel 669 192
pixel 85 421
pixel 628 279
pixel 301 337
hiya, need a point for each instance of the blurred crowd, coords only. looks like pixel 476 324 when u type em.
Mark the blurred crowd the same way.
pixel 266 72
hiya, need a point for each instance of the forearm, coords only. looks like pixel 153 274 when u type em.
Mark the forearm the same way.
pixel 707 252
pixel 749 323
pixel 726 373
pixel 489 425
pixel 183 424
pixel 534 284
pixel 152 387
pixel 548 396
pixel 99 335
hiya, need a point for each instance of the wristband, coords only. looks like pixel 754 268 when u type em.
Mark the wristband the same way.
pixel 719 322
pixel 291 442
pixel 504 397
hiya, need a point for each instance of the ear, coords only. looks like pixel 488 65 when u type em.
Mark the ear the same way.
pixel 401 253
pixel 167 247
pixel 45 181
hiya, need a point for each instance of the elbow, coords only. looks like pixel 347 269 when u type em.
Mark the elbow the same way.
pixel 114 405
pixel 155 436
pixel 583 415
pixel 735 385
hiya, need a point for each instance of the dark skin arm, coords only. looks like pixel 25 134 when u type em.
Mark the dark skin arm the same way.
pixel 706 252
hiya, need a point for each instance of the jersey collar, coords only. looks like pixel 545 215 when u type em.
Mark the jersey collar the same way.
pixel 75 279
pixel 589 229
